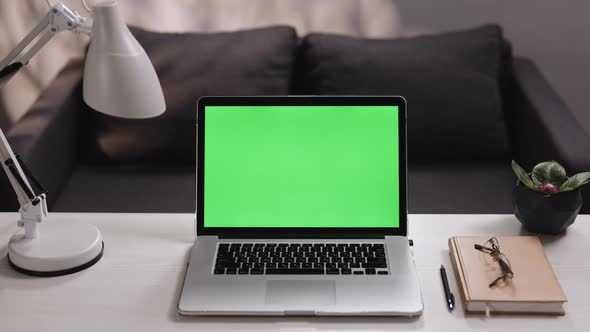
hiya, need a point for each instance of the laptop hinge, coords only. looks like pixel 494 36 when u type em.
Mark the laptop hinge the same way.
pixel 301 236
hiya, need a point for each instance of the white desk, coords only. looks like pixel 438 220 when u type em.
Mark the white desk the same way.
pixel 135 286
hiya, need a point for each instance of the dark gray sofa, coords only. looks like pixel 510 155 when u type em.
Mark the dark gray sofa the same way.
pixel 52 138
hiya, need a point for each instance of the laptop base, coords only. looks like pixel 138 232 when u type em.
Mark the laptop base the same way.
pixel 394 294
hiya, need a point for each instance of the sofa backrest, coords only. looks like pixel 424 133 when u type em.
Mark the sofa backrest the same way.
pixel 452 83
pixel 4 119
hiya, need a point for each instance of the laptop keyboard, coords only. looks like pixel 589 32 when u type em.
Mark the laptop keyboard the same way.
pixel 301 258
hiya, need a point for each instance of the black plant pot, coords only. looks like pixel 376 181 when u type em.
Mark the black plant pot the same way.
pixel 545 214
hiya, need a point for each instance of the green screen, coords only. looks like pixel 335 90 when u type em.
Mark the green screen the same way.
pixel 301 166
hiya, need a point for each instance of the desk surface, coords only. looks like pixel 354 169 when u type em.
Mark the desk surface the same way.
pixel 135 287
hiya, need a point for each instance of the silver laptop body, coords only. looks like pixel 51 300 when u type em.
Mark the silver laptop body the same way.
pixel 301 271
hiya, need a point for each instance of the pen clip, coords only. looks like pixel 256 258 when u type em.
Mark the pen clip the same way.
pixel 452 304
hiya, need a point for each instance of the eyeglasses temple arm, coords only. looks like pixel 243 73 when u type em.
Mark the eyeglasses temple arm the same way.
pixel 504 266
pixel 483 248
pixel 493 283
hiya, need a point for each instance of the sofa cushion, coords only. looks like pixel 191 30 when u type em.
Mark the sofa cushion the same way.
pixel 191 65
pixel 451 83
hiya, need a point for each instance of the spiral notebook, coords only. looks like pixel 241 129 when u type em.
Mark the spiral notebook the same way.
pixel 534 288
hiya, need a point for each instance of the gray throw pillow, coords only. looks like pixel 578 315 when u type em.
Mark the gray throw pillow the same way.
pixel 451 82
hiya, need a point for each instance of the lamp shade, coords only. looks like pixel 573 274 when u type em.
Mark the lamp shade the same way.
pixel 119 78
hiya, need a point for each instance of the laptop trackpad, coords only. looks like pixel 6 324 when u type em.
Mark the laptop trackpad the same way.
pixel 300 292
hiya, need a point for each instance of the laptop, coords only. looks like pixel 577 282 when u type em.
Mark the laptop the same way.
pixel 301 209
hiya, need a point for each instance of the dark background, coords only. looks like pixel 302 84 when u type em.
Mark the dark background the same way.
pixel 555 34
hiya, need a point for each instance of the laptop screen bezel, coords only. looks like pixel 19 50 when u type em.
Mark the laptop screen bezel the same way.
pixel 314 232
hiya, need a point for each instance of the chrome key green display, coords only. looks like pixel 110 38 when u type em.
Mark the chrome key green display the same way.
pixel 301 166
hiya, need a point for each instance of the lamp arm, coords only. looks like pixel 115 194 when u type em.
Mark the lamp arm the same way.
pixel 41 42
pixel 14 172
pixel 42 25
pixel 33 208
pixel 59 18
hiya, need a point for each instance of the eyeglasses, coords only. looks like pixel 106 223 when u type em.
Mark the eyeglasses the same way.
pixel 492 247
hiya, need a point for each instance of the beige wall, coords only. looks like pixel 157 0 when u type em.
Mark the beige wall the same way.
pixel 16 19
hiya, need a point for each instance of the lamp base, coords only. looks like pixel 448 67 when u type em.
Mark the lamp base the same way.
pixel 62 247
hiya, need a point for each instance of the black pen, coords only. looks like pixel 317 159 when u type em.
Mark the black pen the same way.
pixel 448 295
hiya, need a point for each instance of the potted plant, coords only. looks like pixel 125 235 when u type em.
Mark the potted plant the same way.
pixel 546 200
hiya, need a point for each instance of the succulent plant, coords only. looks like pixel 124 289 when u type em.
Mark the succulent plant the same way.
pixel 549 178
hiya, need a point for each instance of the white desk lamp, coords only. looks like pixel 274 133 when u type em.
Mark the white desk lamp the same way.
pixel 119 80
